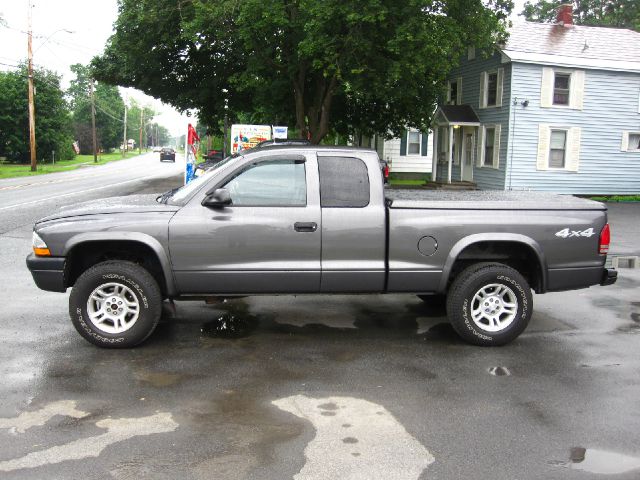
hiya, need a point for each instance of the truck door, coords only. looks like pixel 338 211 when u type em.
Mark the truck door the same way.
pixel 267 241
pixel 353 224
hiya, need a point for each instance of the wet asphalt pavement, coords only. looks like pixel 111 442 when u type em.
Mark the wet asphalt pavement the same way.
pixel 305 387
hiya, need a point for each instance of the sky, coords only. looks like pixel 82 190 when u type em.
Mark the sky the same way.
pixel 90 22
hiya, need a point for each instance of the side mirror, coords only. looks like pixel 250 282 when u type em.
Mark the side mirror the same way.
pixel 219 198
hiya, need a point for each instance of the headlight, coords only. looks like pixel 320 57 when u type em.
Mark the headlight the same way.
pixel 39 247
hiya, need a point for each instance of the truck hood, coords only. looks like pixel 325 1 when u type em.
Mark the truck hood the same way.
pixel 112 205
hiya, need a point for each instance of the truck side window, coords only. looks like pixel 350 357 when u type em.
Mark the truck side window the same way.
pixel 271 183
pixel 344 182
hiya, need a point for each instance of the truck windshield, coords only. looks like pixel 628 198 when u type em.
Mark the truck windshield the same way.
pixel 184 192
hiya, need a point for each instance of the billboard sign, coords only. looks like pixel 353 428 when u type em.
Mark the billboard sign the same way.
pixel 244 137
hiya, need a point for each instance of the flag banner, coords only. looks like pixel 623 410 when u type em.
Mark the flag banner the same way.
pixel 191 152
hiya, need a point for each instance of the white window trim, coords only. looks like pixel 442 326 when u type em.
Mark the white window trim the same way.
pixel 471 53
pixel 458 81
pixel 566 131
pixel 576 88
pixel 625 141
pixel 484 88
pixel 572 142
pixel 406 153
pixel 495 163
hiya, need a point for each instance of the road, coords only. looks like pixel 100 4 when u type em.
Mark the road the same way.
pixel 304 387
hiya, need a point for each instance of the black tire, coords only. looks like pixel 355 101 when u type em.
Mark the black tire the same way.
pixel 462 300
pixel 434 300
pixel 137 282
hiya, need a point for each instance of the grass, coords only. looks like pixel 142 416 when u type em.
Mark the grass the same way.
pixel 616 198
pixel 399 179
pixel 11 170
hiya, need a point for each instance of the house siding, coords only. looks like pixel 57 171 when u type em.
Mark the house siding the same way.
pixel 610 107
pixel 488 178
pixel 406 163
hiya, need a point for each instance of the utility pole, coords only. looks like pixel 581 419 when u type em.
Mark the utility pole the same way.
pixel 93 122
pixel 141 120
pixel 125 144
pixel 32 112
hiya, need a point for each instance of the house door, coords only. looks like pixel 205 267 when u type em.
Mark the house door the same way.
pixel 468 149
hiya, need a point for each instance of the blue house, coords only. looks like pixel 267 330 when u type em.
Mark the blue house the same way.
pixel 555 109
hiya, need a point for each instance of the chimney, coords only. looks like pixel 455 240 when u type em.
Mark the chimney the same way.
pixel 565 14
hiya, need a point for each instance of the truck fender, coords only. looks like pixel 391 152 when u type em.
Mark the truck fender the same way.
pixel 143 238
pixel 489 237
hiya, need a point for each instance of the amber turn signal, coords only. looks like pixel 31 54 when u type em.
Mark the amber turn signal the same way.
pixel 41 252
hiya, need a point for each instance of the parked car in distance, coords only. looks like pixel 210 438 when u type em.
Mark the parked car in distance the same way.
pixel 168 154
pixel 210 159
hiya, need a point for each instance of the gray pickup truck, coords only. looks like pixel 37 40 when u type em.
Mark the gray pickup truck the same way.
pixel 310 220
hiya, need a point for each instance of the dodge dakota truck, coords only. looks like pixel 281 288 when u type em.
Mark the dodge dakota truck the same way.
pixel 317 220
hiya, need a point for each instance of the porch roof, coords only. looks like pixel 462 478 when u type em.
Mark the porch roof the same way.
pixel 458 115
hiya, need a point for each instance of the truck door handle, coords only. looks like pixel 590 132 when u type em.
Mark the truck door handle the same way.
pixel 305 226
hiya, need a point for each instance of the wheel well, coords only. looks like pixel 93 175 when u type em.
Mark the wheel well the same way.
pixel 87 254
pixel 518 256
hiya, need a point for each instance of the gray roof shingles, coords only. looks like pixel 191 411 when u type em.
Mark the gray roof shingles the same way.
pixel 578 41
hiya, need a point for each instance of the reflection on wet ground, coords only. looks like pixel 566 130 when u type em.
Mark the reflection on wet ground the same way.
pixel 238 320
pixel 600 462
pixel 499 371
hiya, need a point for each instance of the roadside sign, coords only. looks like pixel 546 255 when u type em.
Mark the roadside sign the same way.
pixel 244 137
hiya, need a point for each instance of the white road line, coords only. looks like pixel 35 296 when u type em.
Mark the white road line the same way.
pixel 355 440
pixel 17 205
pixel 37 418
pixel 117 431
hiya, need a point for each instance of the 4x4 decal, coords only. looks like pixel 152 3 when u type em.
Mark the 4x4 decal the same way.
pixel 566 233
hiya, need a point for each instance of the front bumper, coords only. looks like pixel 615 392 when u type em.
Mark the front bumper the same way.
pixel 48 272
pixel 609 277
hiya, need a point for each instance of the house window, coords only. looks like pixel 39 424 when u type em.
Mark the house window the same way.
pixel 471 53
pixel 453 92
pixel 558 147
pixel 561 88
pixel 413 143
pixel 631 141
pixel 489 143
pixel 492 89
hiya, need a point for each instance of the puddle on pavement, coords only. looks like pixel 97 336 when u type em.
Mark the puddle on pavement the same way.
pixel 499 371
pixel 229 325
pixel 235 322
pixel 600 462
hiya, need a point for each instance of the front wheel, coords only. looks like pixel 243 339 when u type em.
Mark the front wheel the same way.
pixel 489 304
pixel 115 304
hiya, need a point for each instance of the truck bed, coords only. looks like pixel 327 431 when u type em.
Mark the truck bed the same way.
pixel 486 200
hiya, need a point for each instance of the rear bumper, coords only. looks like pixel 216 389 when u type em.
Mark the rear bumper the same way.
pixel 575 278
pixel 609 277
pixel 48 272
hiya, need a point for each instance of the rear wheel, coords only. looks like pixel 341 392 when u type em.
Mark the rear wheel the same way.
pixel 489 304
pixel 115 304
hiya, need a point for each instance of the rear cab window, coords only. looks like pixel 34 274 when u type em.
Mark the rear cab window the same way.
pixel 344 182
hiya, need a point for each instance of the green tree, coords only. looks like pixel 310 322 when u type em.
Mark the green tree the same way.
pixel 139 117
pixel 109 111
pixel 53 119
pixel 602 13
pixel 371 65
